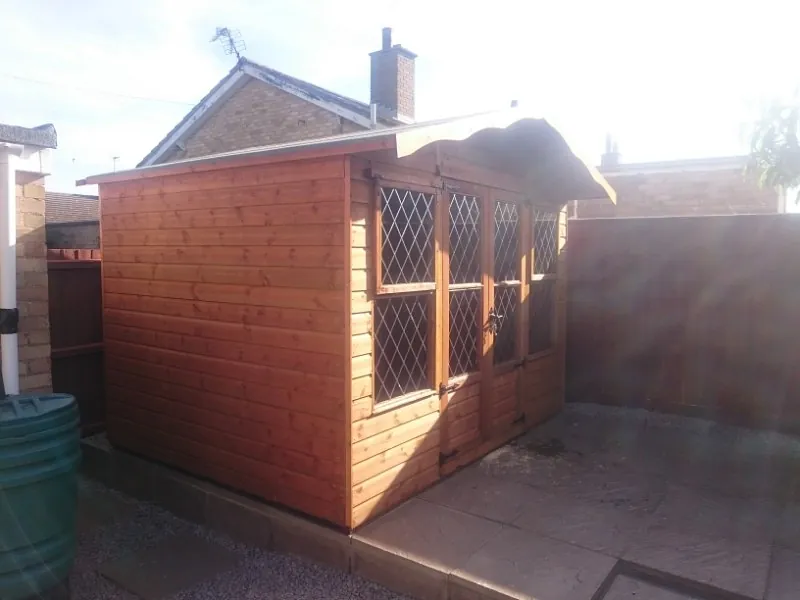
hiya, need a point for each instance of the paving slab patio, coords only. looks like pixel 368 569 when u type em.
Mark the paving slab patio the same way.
pixel 700 506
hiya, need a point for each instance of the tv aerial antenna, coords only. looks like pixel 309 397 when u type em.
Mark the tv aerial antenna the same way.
pixel 231 40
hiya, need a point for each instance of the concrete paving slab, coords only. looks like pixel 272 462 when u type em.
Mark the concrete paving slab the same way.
pixel 599 527
pixel 628 588
pixel 784 579
pixel 429 533
pixel 175 563
pixel 713 515
pixel 788 530
pixel 476 493
pixel 97 508
pixel 737 566
pixel 520 564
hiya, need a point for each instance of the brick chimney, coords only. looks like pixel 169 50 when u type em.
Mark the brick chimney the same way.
pixel 392 80
pixel 609 160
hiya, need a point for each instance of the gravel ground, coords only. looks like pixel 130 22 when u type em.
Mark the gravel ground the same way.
pixel 112 525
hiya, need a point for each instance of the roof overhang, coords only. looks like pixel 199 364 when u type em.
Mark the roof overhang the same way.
pixel 530 147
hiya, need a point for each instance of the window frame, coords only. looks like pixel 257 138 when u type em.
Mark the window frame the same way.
pixel 428 289
pixel 534 278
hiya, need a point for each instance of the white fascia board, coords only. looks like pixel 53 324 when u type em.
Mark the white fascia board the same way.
pixel 195 117
pixel 329 106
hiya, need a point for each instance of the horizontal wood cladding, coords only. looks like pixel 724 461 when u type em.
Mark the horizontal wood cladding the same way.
pixel 394 418
pixel 291 277
pixel 329 300
pixel 218 465
pixel 318 213
pixel 266 316
pixel 243 431
pixel 253 256
pixel 224 317
pixel 226 181
pixel 401 489
pixel 286 235
pixel 372 446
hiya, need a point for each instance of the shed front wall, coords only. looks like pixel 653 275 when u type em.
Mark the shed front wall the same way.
pixel 398 452
pixel 224 315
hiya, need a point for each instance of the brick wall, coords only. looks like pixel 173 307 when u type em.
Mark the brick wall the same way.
pixel 257 115
pixel 32 291
pixel 684 193
pixel 73 235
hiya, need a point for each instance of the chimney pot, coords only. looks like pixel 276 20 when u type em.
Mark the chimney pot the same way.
pixel 387 38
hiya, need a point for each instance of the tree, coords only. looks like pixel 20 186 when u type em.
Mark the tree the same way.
pixel 774 146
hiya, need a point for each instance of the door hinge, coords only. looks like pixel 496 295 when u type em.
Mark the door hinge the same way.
pixel 445 456
pixel 444 388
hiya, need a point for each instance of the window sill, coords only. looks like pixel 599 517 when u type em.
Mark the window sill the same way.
pixel 389 405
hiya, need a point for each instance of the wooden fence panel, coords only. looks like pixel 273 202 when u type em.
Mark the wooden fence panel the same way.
pixel 76 331
pixel 695 315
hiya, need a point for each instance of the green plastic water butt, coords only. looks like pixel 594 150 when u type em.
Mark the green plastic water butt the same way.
pixel 39 457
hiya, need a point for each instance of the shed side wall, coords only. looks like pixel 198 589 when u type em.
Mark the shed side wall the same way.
pixel 224 300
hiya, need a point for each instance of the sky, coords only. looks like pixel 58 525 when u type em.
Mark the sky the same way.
pixel 669 80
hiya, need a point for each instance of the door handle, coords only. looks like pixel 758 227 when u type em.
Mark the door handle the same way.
pixel 495 321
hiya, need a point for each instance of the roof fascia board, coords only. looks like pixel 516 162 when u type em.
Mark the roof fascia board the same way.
pixel 195 118
pixel 329 106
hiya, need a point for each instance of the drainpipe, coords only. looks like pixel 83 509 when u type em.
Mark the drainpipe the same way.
pixel 373 115
pixel 8 268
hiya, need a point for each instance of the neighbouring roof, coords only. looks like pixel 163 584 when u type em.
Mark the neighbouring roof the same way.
pixel 719 163
pixel 531 146
pixel 43 136
pixel 70 208
pixel 349 108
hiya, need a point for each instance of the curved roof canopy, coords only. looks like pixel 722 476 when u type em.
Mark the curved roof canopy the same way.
pixel 528 147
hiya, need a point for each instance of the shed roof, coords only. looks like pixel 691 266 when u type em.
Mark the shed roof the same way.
pixel 70 208
pixel 531 146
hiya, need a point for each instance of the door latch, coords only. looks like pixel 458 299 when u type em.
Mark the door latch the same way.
pixel 495 321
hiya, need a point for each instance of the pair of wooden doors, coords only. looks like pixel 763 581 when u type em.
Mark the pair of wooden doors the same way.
pixel 483 265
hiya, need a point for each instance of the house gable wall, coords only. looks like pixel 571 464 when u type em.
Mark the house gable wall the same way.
pixel 259 114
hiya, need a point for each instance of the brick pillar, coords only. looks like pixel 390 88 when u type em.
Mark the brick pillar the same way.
pixel 32 290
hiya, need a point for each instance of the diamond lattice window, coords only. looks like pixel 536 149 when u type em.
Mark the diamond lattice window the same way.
pixel 401 345
pixel 506 302
pixel 545 249
pixel 465 221
pixel 465 311
pixel 542 315
pixel 406 236
pixel 506 242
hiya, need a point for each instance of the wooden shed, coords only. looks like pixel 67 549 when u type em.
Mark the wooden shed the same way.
pixel 333 325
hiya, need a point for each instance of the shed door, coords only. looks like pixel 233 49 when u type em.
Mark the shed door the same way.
pixel 465 311
pixel 484 262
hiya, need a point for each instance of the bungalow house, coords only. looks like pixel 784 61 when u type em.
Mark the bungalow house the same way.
pixel 254 105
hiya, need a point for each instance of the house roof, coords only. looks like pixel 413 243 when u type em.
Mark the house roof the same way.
pixel 349 108
pixel 717 163
pixel 43 136
pixel 70 208
pixel 531 146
